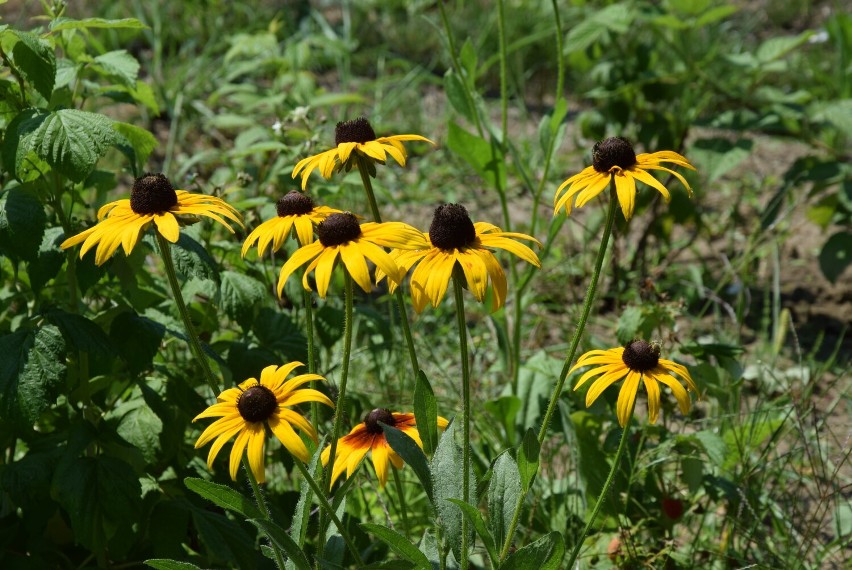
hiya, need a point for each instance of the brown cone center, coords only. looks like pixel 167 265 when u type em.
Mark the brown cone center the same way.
pixel 257 404
pixel 615 151
pixel 641 356
pixel 294 204
pixel 338 229
pixel 372 419
pixel 152 194
pixel 451 227
pixel 357 130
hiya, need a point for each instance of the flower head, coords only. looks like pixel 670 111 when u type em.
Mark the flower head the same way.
pixel 340 235
pixel 614 158
pixel 369 436
pixel 354 139
pixel 294 210
pixel 455 240
pixel 152 200
pixel 247 410
pixel 639 360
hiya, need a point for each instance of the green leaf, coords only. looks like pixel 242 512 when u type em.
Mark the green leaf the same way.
pixel 142 144
pixel 166 564
pixel 778 47
pixel 223 496
pixel 616 18
pixel 715 157
pixel 22 221
pixel 63 23
pixel 120 65
pixel 302 512
pixel 473 515
pixel 836 255
pixel 468 60
pixel 49 260
pixel 399 544
pixel 485 157
pixel 282 540
pixel 277 331
pixel 81 333
pixel 505 410
pixel 101 495
pixel 546 553
pixel 504 489
pixel 35 59
pixel 448 483
pixel 140 427
pixel 225 539
pixel 238 294
pixel 32 370
pixel 528 459
pixel 714 446
pixel 426 413
pixel 455 90
pixel 137 339
pixel 329 324
pixel 192 260
pixel 715 14
pixel 411 453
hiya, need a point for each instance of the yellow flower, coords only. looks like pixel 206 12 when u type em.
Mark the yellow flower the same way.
pixel 638 360
pixel 294 210
pixel 369 436
pixel 615 158
pixel 341 235
pixel 356 136
pixel 152 200
pixel 247 410
pixel 453 239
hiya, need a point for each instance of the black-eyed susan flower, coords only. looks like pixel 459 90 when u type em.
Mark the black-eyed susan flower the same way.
pixel 245 412
pixel 152 200
pixel 639 360
pixel 295 210
pixel 340 235
pixel 455 240
pixel 368 436
pixel 352 139
pixel 614 158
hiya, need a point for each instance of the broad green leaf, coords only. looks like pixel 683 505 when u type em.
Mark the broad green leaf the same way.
pixel 32 370
pixel 714 446
pixel 475 518
pixel 837 113
pixel 616 18
pixel 139 426
pixel 455 91
pixel 141 144
pixel 546 553
pixel 535 382
pixel 192 260
pixel 166 564
pixel 448 483
pixel 715 14
pixel 49 260
pixel 224 539
pixel 485 157
pixel 505 410
pixel 35 59
pixel 717 156
pixel 778 47
pixel 399 544
pixel 836 255
pixel 426 413
pixel 137 339
pixel 468 60
pixel 282 540
pixel 81 333
pixel 411 453
pixel 528 460
pixel 223 496
pixel 101 495
pixel 239 294
pixel 592 464
pixel 22 221
pixel 302 512
pixel 120 65
pixel 277 331
pixel 504 489
pixel 63 23
pixel 329 324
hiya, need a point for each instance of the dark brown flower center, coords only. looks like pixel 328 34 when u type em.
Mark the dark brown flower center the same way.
pixel 641 356
pixel 257 404
pixel 357 131
pixel 615 151
pixel 152 194
pixel 294 204
pixel 451 227
pixel 338 229
pixel 372 419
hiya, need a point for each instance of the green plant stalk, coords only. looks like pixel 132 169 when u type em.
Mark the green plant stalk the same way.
pixel 194 343
pixel 329 510
pixel 339 405
pixel 261 505
pixel 402 506
pixel 457 68
pixel 462 326
pixel 400 302
pixel 312 363
pixel 604 492
pixel 504 99
pixel 575 342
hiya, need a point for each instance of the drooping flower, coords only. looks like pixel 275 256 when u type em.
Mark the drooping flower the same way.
pixel 295 210
pixel 152 200
pixel 340 235
pixel 639 360
pixel 456 241
pixel 352 139
pixel 249 409
pixel 614 158
pixel 368 436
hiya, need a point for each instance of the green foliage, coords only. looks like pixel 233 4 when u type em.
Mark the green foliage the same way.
pixel 31 373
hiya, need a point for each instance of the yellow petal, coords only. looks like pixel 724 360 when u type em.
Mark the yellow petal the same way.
pixel 167 226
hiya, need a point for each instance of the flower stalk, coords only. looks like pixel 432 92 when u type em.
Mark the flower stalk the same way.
pixel 264 510
pixel 462 326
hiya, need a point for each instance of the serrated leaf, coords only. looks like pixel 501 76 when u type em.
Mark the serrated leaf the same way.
pixel 836 255
pixel 81 333
pixel 119 64
pixel 63 23
pixel 192 260
pixel 475 517
pixel 49 259
pixel 528 459
pixel 140 427
pixel 239 294
pixel 448 483
pixel 278 332
pixel 22 221
pixel 137 339
pixel 282 540
pixel 504 489
pixel 223 496
pixel 32 370
pixel 485 157
pixel 141 144
pixel 166 564
pixel 35 59
pixel 546 553
pixel 411 453
pixel 426 413
pixel 399 544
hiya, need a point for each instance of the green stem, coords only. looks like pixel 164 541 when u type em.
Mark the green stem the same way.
pixel 264 510
pixel 340 404
pixel 575 342
pixel 194 343
pixel 402 506
pixel 329 510
pixel 462 326
pixel 458 69
pixel 504 99
pixel 400 302
pixel 604 492
pixel 312 363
